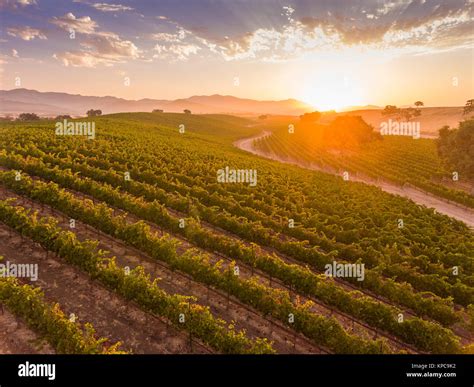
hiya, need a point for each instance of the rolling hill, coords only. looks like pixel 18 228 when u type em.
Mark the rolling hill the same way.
pixel 17 101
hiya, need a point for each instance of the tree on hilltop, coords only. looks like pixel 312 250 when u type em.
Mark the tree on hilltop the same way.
pixel 63 117
pixel 94 113
pixel 28 117
pixel 407 114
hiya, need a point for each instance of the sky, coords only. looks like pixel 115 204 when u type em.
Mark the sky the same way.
pixel 330 54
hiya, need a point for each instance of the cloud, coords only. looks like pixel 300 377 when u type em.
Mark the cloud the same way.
pixel 105 7
pixel 438 32
pixel 291 41
pixel 397 24
pixel 287 12
pixel 263 43
pixel 176 52
pixel 81 59
pixel 110 45
pixel 166 37
pixel 14 4
pixel 14 53
pixel 391 6
pixel 26 33
pixel 84 25
pixel 401 25
pixel 178 45
pixel 402 22
pixel 99 47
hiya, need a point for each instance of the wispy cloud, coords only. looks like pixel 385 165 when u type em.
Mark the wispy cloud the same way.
pixel 176 52
pixel 83 25
pixel 81 59
pixel 26 33
pixel 14 4
pixel 111 45
pixel 97 47
pixel 395 25
pixel 166 37
pixel 106 7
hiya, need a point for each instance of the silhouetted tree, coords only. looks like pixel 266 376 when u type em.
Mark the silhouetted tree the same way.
pixel 391 110
pixel 63 117
pixel 187 111
pixel 410 113
pixel 456 147
pixel 348 132
pixel 28 117
pixel 469 107
pixel 407 114
pixel 310 117
pixel 262 117
pixel 157 111
pixel 94 113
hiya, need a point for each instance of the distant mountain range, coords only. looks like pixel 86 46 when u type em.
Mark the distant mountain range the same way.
pixel 365 107
pixel 18 101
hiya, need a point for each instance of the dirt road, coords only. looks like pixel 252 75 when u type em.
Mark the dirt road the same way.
pixel 457 211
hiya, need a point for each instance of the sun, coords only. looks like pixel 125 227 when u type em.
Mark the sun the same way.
pixel 332 94
pixel 331 102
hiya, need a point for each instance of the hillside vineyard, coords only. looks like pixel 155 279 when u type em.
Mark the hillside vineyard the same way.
pixel 400 159
pixel 296 261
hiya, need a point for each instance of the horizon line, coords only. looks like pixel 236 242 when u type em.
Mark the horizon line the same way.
pixel 368 106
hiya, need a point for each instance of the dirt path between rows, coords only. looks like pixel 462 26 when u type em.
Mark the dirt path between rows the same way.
pixel 456 211
pixel 112 316
pixel 17 338
pixel 227 308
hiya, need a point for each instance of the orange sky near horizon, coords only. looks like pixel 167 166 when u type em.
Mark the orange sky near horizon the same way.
pixel 327 55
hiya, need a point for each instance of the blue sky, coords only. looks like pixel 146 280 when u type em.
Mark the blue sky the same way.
pixel 329 53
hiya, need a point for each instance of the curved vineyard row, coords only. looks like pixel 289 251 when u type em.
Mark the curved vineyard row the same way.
pixel 151 187
pixel 398 159
pixel 158 176
pixel 413 234
pixel 312 256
